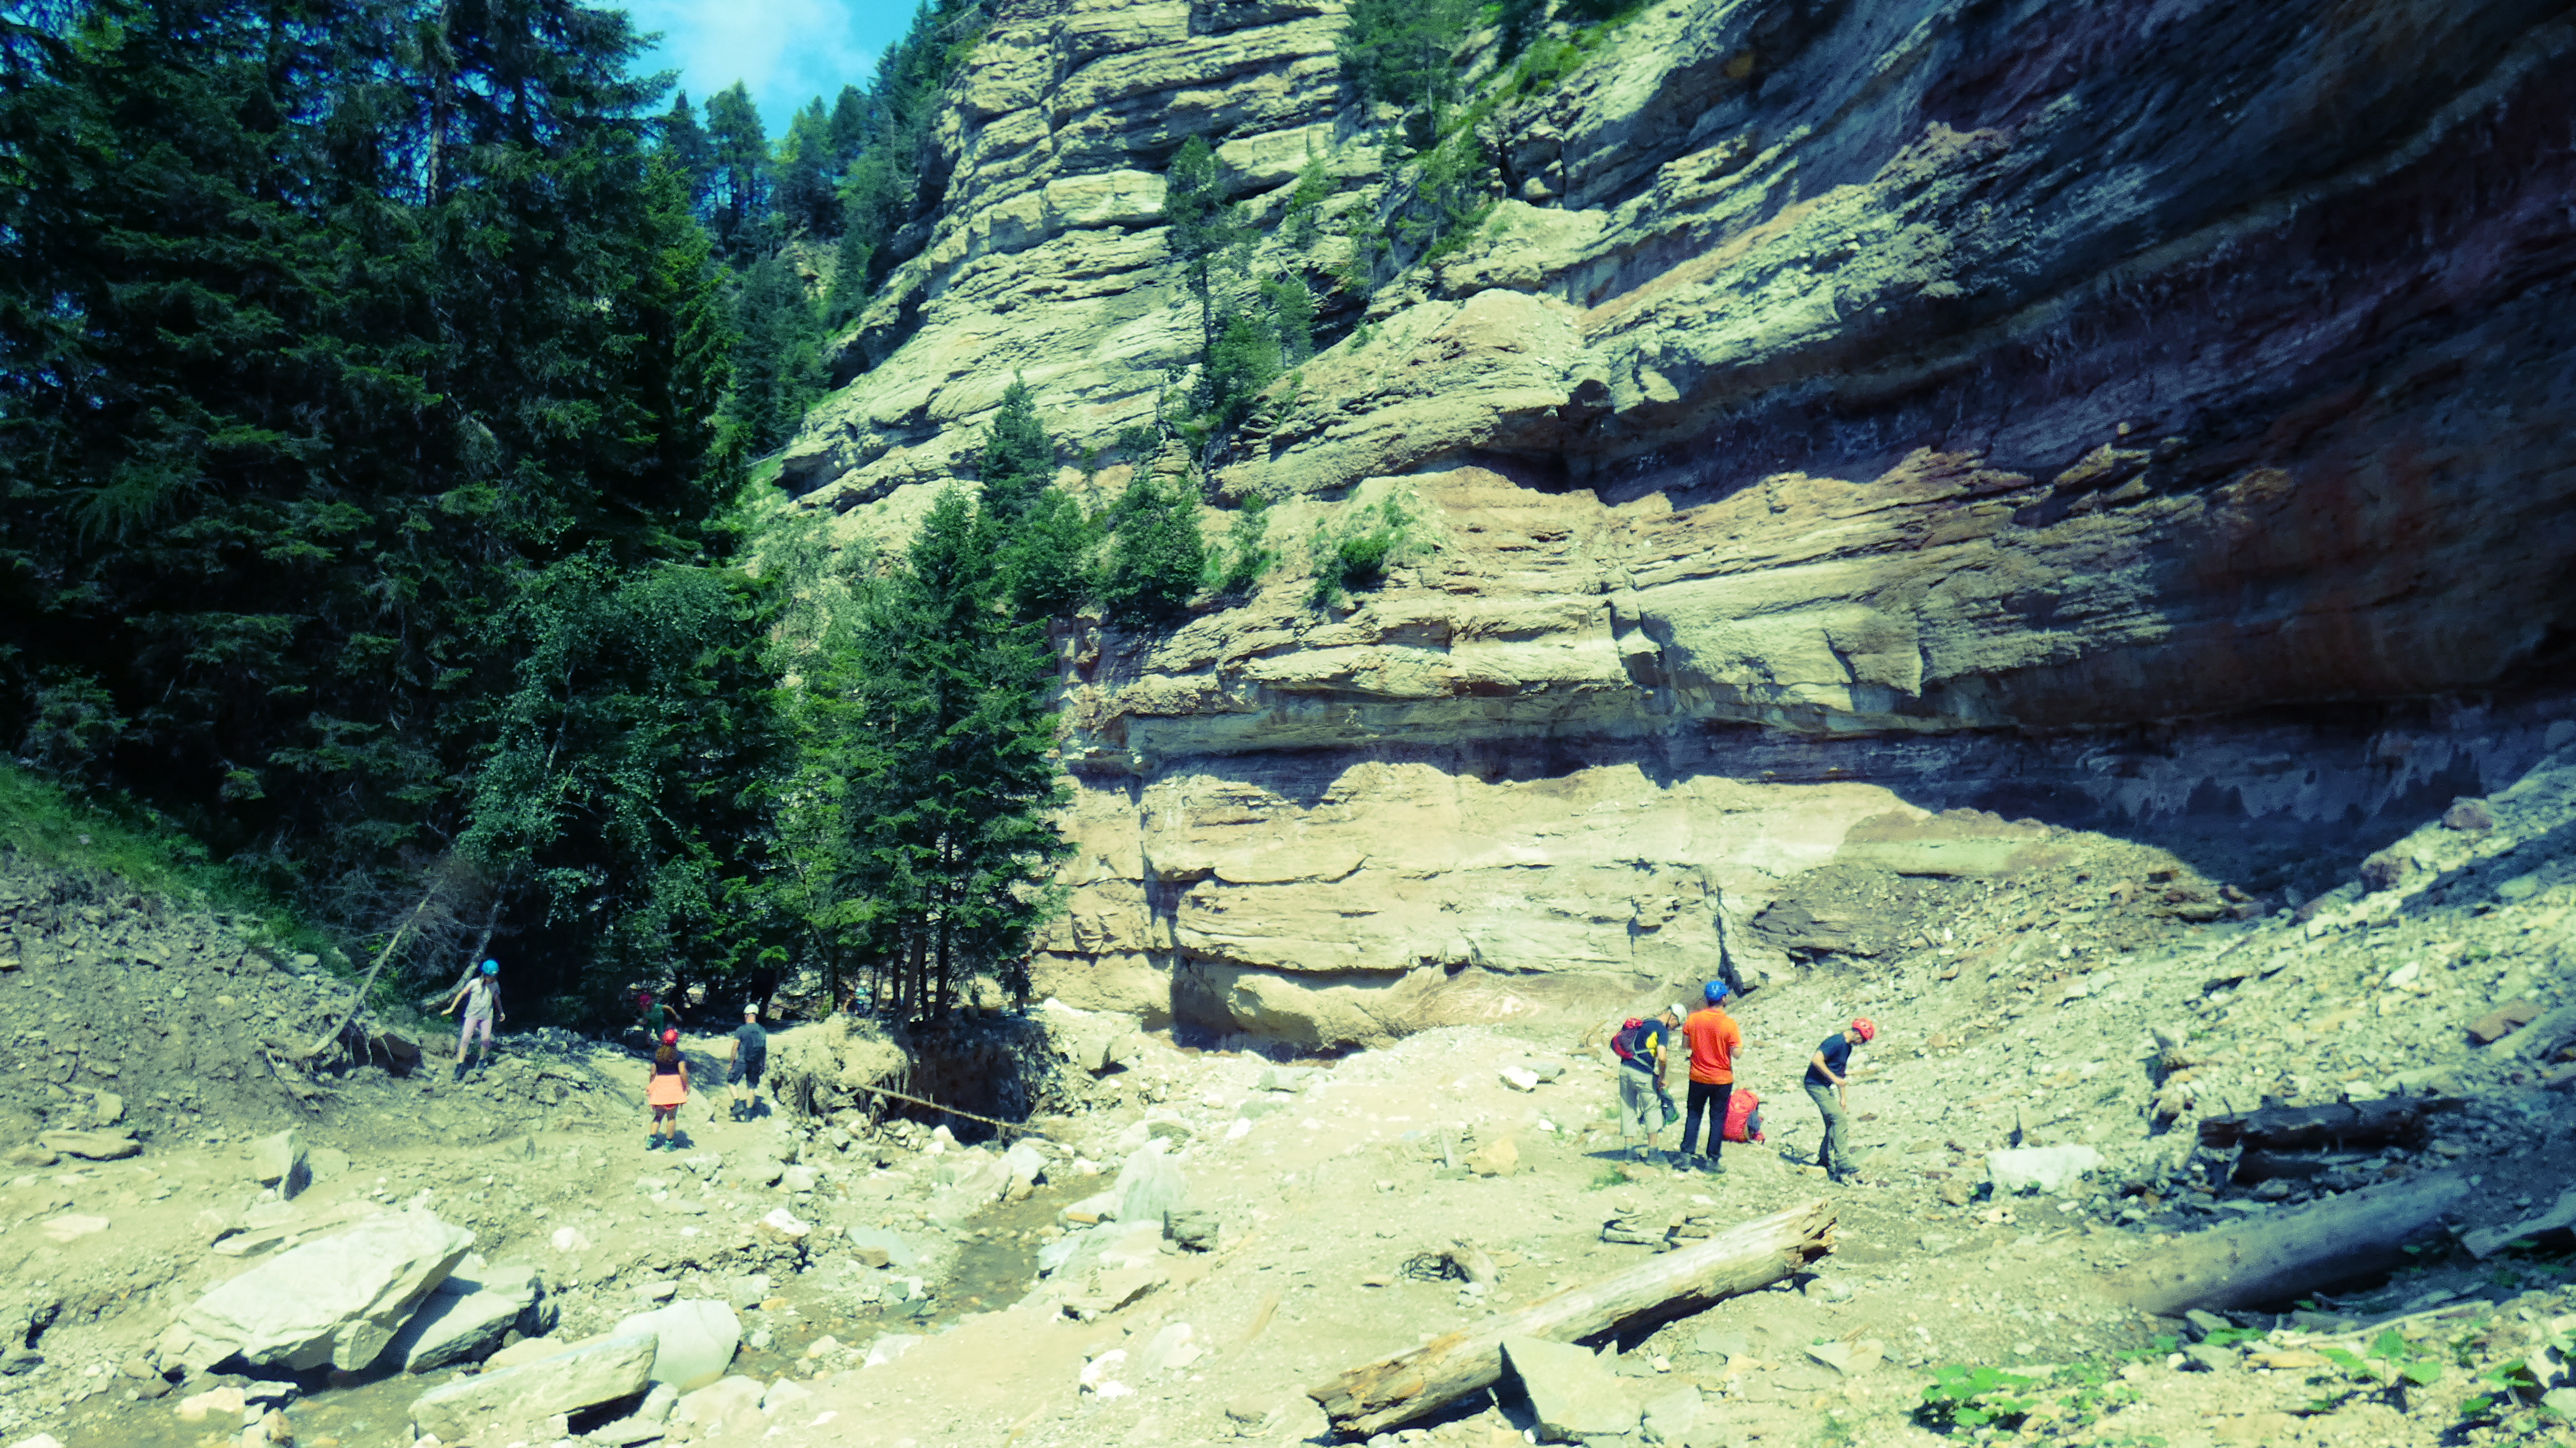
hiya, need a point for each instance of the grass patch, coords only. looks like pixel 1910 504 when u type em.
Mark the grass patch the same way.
pixel 90 837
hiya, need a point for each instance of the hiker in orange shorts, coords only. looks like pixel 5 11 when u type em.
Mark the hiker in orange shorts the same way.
pixel 665 1090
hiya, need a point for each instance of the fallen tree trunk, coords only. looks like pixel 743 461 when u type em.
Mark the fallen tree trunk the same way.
pixel 1377 1396
pixel 2281 1258
pixel 2399 1119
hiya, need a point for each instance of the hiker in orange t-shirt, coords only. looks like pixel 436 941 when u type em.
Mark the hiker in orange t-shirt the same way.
pixel 1714 1044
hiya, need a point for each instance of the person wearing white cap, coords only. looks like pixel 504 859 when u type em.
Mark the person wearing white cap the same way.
pixel 750 1054
pixel 1645 1108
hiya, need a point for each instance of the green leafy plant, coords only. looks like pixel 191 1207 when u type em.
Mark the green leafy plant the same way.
pixel 1356 554
pixel 1963 1395
pixel 1248 553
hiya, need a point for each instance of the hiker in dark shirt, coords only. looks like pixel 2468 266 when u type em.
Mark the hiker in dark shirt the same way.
pixel 1828 1071
pixel 1643 1048
pixel 750 1056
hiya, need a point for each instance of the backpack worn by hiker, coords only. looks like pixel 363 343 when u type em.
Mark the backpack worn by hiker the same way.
pixel 1628 1043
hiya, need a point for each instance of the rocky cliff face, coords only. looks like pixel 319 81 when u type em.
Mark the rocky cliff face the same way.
pixel 2145 423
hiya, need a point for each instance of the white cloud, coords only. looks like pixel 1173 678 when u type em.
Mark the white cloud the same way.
pixel 786 51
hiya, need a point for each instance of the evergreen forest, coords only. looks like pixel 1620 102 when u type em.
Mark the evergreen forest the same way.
pixel 380 384
pixel 386 388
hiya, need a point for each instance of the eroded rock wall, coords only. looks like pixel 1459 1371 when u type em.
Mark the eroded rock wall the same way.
pixel 2146 420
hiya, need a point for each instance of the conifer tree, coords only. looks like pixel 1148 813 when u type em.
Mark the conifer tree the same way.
pixel 685 148
pixel 1156 555
pixel 949 841
pixel 808 174
pixel 1019 457
pixel 740 154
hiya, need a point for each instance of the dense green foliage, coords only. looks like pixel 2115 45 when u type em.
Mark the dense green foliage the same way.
pixel 1404 53
pixel 373 397
pixel 1156 556
pixel 915 841
pixel 1355 552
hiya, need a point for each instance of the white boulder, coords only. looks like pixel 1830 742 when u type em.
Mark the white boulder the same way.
pixel 2040 1168
pixel 696 1341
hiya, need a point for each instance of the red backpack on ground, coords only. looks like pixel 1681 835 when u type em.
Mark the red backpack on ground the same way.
pixel 1743 1116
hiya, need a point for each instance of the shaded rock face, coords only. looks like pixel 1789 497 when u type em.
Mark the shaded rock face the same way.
pixel 2148 423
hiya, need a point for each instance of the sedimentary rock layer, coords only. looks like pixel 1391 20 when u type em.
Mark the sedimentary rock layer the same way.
pixel 2127 411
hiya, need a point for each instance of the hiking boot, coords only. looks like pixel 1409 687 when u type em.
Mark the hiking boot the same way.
pixel 1714 1166
pixel 460 1070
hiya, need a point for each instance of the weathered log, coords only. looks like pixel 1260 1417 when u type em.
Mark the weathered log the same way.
pixel 1376 1396
pixel 2279 1258
pixel 2398 1119
pixel 2262 1166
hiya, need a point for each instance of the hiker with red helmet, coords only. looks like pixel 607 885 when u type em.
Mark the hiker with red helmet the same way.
pixel 665 1091
pixel 1828 1072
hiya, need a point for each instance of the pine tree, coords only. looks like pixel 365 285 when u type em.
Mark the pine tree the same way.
pixel 777 355
pixel 1156 555
pixel 808 174
pixel 950 842
pixel 685 148
pixel 1201 226
pixel 1019 457
pixel 327 332
pixel 740 153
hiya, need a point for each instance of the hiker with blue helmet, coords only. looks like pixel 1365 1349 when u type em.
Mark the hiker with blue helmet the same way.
pixel 480 992
pixel 1715 1042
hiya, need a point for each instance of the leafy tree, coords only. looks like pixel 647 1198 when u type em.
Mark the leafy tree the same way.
pixel 1156 555
pixel 1247 357
pixel 622 780
pixel 1248 553
pixel 1301 220
pixel 848 293
pixel 742 167
pixel 1405 53
pixel 886 135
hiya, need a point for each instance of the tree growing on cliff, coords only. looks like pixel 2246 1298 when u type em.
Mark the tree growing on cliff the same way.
pixel 1156 556
pixel 1041 534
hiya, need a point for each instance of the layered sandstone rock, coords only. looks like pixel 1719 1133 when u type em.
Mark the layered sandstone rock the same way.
pixel 1857 414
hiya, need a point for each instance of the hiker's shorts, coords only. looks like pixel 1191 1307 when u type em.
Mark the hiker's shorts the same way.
pixel 745 1073
pixel 473 1023
pixel 1640 1109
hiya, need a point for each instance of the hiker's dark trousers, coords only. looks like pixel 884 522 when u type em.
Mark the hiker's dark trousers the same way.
pixel 1712 1098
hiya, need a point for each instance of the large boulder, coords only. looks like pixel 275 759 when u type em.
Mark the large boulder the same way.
pixel 696 1341
pixel 599 1372
pixel 1150 1184
pixel 466 1317
pixel 281 1161
pixel 339 1300
pixel 1570 1393
pixel 712 1408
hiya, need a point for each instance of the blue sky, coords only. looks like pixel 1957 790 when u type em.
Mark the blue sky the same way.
pixel 787 51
